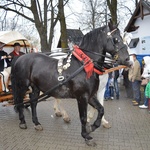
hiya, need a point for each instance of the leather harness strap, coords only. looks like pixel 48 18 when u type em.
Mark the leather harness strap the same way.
pixel 89 65
pixel 87 61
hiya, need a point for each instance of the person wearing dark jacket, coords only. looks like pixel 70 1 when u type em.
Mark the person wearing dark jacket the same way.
pixel 127 83
pixel 116 87
pixel 4 68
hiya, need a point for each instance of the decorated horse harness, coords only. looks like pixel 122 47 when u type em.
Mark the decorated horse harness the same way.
pixel 89 66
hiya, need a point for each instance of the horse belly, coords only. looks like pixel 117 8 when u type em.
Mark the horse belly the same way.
pixel 63 92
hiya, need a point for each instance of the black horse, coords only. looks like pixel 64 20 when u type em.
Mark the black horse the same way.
pixel 40 72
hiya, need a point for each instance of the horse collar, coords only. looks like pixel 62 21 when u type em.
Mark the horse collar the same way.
pixel 87 61
pixel 61 67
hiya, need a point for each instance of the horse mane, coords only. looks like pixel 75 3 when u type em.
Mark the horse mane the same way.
pixel 90 40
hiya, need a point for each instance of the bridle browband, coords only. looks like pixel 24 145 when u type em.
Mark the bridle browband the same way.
pixel 110 33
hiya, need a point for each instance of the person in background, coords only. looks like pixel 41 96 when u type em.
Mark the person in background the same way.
pixel 135 78
pixel 147 94
pixel 127 83
pixel 31 50
pixel 107 95
pixel 116 87
pixel 111 86
pixel 145 75
pixel 5 68
pixel 16 51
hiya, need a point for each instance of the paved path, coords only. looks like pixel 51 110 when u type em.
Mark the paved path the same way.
pixel 130 128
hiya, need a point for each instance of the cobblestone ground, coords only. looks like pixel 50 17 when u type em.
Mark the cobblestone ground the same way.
pixel 130 128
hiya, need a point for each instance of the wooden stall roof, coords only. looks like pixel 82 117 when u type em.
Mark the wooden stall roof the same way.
pixel 138 13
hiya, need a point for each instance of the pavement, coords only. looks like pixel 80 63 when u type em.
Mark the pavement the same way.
pixel 130 128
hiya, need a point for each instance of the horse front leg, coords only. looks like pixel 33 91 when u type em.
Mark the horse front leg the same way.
pixel 91 112
pixel 82 106
pixel 95 103
pixel 33 95
pixel 100 96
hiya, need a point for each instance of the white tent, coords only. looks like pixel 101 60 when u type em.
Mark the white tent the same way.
pixel 11 37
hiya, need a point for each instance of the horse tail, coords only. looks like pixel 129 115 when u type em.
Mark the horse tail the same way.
pixel 14 79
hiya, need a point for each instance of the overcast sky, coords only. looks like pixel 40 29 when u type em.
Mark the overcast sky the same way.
pixel 74 8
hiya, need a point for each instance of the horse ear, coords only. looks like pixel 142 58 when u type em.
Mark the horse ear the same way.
pixel 116 26
pixel 110 24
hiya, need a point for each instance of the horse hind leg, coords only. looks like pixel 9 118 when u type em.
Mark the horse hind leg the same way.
pixel 56 107
pixel 66 118
pixel 35 93
pixel 100 96
pixel 18 101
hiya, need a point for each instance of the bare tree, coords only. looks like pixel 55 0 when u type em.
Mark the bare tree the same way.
pixel 96 13
pixel 93 14
pixel 64 43
pixel 43 14
pixel 136 3
pixel 112 5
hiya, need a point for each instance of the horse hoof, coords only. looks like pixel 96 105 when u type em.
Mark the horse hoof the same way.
pixel 90 143
pixel 23 126
pixel 67 120
pixel 106 125
pixel 58 114
pixel 38 127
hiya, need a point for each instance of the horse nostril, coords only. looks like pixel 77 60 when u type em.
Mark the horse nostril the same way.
pixel 127 59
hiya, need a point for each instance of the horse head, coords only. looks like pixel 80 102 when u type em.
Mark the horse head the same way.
pixel 106 39
pixel 116 46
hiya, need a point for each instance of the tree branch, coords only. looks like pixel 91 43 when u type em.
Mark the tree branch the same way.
pixel 17 12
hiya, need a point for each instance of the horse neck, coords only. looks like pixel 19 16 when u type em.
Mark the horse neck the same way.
pixel 102 59
pixel 95 52
pixel 94 41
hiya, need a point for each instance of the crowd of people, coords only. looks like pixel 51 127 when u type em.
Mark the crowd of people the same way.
pixel 133 79
pixel 5 64
pixel 112 88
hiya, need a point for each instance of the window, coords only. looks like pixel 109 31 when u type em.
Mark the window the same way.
pixel 133 43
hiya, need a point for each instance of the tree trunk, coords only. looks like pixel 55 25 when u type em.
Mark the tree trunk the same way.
pixel 64 43
pixel 44 45
pixel 112 5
